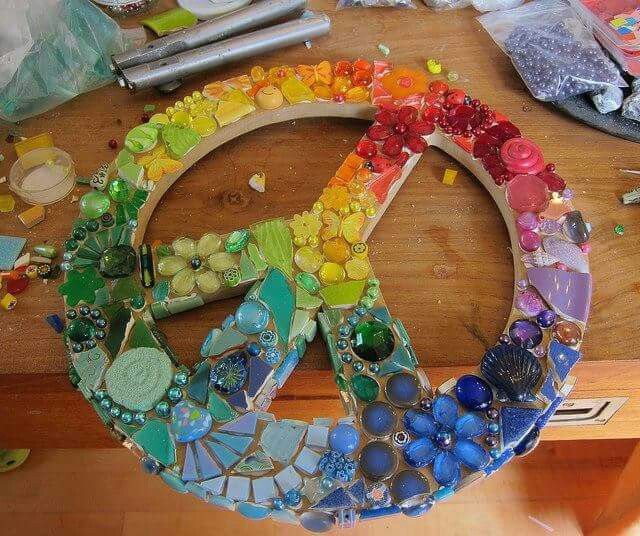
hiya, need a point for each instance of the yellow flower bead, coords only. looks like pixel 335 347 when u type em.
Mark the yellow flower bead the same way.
pixel 370 212
pixel 257 73
pixel 197 96
pixel 178 105
pixel 355 206
pixel 345 211
pixel 188 100
pixel 170 111
pixel 317 208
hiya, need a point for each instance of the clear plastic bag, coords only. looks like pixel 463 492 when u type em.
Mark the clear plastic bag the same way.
pixel 439 5
pixel 555 55
pixel 495 5
pixel 52 51
pixel 343 4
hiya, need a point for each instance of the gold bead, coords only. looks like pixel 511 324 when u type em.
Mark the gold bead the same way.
pixel 178 105
pixel 355 206
pixel 197 96
pixel 170 111
pixel 345 211
pixel 370 212
pixel 317 208
pixel 188 100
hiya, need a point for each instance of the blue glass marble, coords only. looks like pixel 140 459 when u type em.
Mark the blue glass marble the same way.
pixel 251 317
pixel 378 419
pixel 407 485
pixel 420 452
pixel 473 392
pixel 419 423
pixel 189 422
pixel 253 349
pixel 278 503
pixel 229 374
pixel 402 390
pixel 344 438
pixel 292 497
pixel 378 460
pixel 525 334
pixel 546 318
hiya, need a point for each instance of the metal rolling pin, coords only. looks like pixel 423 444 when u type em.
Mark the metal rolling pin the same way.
pixel 165 74
pixel 247 18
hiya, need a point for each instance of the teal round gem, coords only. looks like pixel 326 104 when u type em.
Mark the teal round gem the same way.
pixel 94 204
pixel 358 366
pixel 140 418
pixel 81 330
pixel 372 341
pixel 346 358
pixel 105 403
pixel 163 409
pixel 115 411
pixel 237 240
pixel 100 395
pixel 137 302
pixel 373 292
pixel 181 378
pixel 119 190
pixel 174 394
pixel 126 417
pixel 374 368
pixel 70 245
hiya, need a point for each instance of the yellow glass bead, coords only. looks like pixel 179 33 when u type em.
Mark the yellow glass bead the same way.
pixel 160 119
pixel 188 100
pixel 331 273
pixel 299 241
pixel 205 126
pixel 355 206
pixel 178 105
pixel 322 92
pixel 308 259
pixel 355 188
pixel 434 66
pixel 317 208
pixel 295 91
pixel 181 117
pixel 313 241
pixel 257 73
pixel 336 249
pixel 197 96
pixel 370 212
pixel 345 210
pixel 170 111
pixel 357 269
pixel 360 250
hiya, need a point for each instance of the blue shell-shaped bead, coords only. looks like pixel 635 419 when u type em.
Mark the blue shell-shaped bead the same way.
pixel 473 392
pixel 513 371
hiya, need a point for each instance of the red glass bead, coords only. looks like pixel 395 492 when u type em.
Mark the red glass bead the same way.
pixel 551 167
pixel 379 132
pixel 422 128
pixel 385 117
pixel 431 114
pixel 144 118
pixel 438 87
pixel 361 78
pixel 339 97
pixel 455 96
pixel 485 145
pixel 343 68
pixel 18 285
pixel 504 131
pixel 366 149
pixel 415 143
pixel 406 114
pixel 393 145
pixel 113 143
pixel 431 99
pixel 475 103
pixel 555 182
pixel 402 159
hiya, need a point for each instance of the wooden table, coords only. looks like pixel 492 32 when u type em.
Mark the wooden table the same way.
pixel 440 251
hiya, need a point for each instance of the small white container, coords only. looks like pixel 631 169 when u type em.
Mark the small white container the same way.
pixel 43 176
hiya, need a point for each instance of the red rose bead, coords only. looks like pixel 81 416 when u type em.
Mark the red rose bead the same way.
pixel 431 114
pixel 366 149
pixel 415 143
pixel 521 155
pixel 400 128
pixel 406 114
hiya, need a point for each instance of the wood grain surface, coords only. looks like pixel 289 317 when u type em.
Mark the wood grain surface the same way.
pixel 440 251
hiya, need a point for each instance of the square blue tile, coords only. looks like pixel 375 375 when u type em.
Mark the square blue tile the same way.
pixel 264 489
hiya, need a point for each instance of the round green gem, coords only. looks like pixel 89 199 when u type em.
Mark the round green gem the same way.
pixel 237 240
pixel 308 282
pixel 92 225
pixel 126 417
pixel 118 261
pixel 119 190
pixel 137 302
pixel 367 302
pixel 70 245
pixel 94 204
pixel 181 378
pixel 372 341
pixel 79 233
pixel 81 330
pixel 619 229
pixel 365 387
pixel 174 394
pixel 374 282
pixel 373 292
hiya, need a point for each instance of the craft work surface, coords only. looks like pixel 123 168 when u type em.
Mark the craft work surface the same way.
pixel 442 247
pixel 537 496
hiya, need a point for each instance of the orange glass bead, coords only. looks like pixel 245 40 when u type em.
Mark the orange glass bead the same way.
pixel 343 68
pixel 336 250
pixel 402 82
pixel 567 333
pixel 356 188
pixel 362 65
pixel 322 91
pixel 363 175
pixel 361 78
pixel 340 85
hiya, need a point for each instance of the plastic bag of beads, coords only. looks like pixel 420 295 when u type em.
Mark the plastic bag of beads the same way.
pixel 495 5
pixel 343 4
pixel 556 56
pixel 439 5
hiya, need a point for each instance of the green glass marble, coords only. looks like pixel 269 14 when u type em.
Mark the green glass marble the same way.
pixel 308 282
pixel 237 240
pixel 372 341
pixel 81 330
pixel 94 204
pixel 365 387
pixel 118 261
pixel 45 250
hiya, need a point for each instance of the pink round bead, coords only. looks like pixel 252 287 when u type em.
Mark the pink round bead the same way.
pixel 562 266
pixel 527 221
pixel 586 247
pixel 529 241
pixel 527 193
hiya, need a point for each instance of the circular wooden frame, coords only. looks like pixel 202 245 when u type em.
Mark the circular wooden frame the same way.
pixel 403 445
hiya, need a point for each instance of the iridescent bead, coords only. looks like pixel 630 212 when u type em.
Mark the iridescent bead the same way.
pixel 105 403
pixel 344 330
pixel 101 323
pixel 163 409
pixel 95 313
pixel 126 417
pixel 346 358
pixel 65 266
pixel 292 497
pixel 100 334
pixel 491 441
pixel 77 347
pixel 493 428
pixel 426 403
pixel 342 344
pixel 367 302
pixel 253 349
pixel 67 256
pixel 360 311
pixel 99 395
pixel 326 483
pixel 278 504
pixel 150 466
pixel 374 367
pixel 140 418
pixel 374 282
pixel 92 225
pixel 353 319
pixel 71 314
pixel 181 378
pixel 79 233
pixel 492 414
pixel 546 318
pixel 174 394
pixel 504 338
pixel 494 453
pixel 90 344
pixel 137 302
pixel 115 411
pixel 84 310
pixel 358 366
pixel 373 292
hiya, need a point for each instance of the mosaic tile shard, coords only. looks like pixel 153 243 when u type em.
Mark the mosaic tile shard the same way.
pixel 215 485
pixel 255 463
pixel 90 366
pixel 219 409
pixel 567 253
pixel 381 313
pixel 199 383
pixel 264 489
pixel 253 511
pixel 317 435
pixel 228 339
pixel 245 424
pixel 276 293
pixel 238 488
pixel 238 443
pixel 280 439
pixel 155 439
pixel 568 293
pixel 399 361
pixel 208 466
pixel 343 294
pixel 307 461
pixel 259 371
pixel 516 422
pixel 10 248
pixel 239 400
pixel 563 357
pixel 305 300
pixel 224 455
pixel 285 368
pixel 288 479
pixel 275 243
pixel 336 500
pixel 205 349
pixel 189 469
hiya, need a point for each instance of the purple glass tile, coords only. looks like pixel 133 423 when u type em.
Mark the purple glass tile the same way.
pixel 208 467
pixel 563 358
pixel 245 424
pixel 258 372
pixel 567 292
pixel 239 400
pixel 189 470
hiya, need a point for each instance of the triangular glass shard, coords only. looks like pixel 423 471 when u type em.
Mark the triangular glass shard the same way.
pixel 563 358
pixel 259 371
pixel 238 443
pixel 199 383
pixel 215 485
pixel 255 463
pixel 246 424
pixel 276 293
pixel 189 469
pixel 516 422
pixel 228 339
pixel 224 455
pixel 208 466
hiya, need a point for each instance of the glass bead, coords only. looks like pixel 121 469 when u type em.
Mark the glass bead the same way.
pixel 163 409
pixel 402 390
pixel 372 340
pixel 119 190
pixel 567 333
pixel 358 366
pixel 527 193
pixel 344 438
pixel 378 460
pixel 94 204
pixel 473 392
pixel 365 387
pixel 331 273
pixel 308 259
